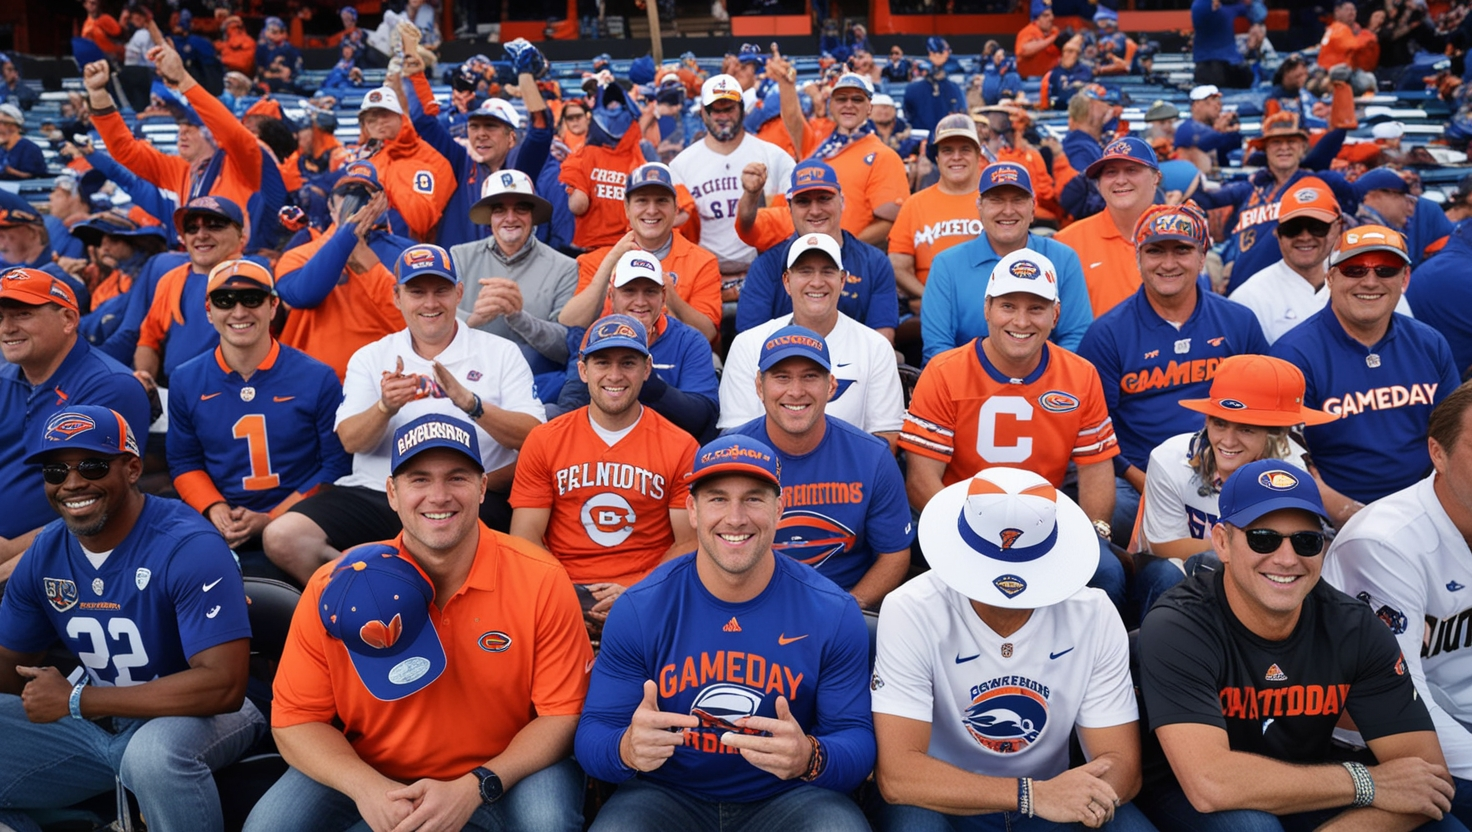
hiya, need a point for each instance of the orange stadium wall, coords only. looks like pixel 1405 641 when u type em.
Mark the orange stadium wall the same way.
pixel 882 22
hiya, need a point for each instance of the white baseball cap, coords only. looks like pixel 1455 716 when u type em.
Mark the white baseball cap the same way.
pixel 637 265
pixel 383 98
pixel 882 100
pixel 499 109
pixel 720 88
pixel 1388 130
pixel 505 186
pixel 1204 92
pixel 12 114
pixel 819 242
pixel 1024 270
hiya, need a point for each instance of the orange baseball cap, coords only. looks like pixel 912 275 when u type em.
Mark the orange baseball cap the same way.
pixel 34 287
pixel 1367 238
pixel 1277 125
pixel 248 270
pixel 1258 390
pixel 1308 197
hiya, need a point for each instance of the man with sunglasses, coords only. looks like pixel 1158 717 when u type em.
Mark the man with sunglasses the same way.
pixel 250 424
pixel 1245 673
pixel 47 367
pixel 1381 371
pixel 144 593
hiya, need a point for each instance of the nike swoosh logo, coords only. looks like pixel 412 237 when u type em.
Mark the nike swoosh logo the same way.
pixel 211 585
pixel 214 611
pixel 843 364
pixel 784 640
pixel 1056 655
pixel 1096 265
pixel 204 397
pixel 664 366
pixel 279 399
pixel 960 660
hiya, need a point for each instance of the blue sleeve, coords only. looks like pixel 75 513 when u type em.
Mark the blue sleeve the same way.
pixel 1450 378
pixel 532 154
pixel 695 414
pixel 913 105
pixel 884 299
pixel 103 320
pixel 1209 139
pixel 756 304
pixel 697 370
pixel 145 194
pixel 615 689
pixel 308 286
pixel 1081 198
pixel 434 133
pixel 845 724
pixel 184 451
pixel 24 625
pixel 26 157
pixel 207 619
pixel 888 526
pixel 335 461
pixel 937 320
pixel 1321 155
pixel 1099 349
pixel 1344 192
pixel 124 340
pixel 557 233
pixel 1076 312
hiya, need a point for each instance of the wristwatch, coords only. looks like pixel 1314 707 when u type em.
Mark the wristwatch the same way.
pixel 1103 529
pixel 490 785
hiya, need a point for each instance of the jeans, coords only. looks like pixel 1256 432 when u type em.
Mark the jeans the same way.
pixel 550 800
pixel 892 818
pixel 165 761
pixel 1126 507
pixel 639 804
pixel 1168 807
pixel 1462 801
pixel 1109 576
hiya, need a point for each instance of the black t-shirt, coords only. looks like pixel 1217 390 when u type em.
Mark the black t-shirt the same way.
pixel 1280 699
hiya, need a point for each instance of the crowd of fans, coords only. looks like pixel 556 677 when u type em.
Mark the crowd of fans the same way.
pixel 481 381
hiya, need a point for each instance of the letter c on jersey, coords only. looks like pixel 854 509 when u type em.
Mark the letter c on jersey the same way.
pixel 608 518
pixel 986 430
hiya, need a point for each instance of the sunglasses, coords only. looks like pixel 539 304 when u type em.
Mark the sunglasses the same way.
pixel 1293 228
pixel 212 223
pixel 56 473
pixel 227 298
pixel 1267 541
pixel 1357 272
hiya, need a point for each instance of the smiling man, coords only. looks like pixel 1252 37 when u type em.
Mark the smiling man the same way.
pixel 873 176
pixel 773 733
pixel 942 215
pixel 1246 671
pixel 1127 176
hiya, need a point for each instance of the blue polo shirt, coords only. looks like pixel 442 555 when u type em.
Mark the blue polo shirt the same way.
pixel 928 101
pixel 1147 365
pixel 1441 295
pixel 86 376
pixel 26 158
pixel 954 312
pixel 867 296
pixel 1377 446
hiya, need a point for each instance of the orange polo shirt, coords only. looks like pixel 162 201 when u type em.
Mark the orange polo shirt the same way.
pixel 515 591
pixel 1108 260
pixel 357 312
pixel 871 175
pixel 1342 46
pixel 1036 66
pixel 694 271
pixel 932 221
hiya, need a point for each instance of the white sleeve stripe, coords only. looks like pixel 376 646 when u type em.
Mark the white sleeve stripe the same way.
pixel 926 443
pixel 1084 450
pixel 1107 423
pixel 927 425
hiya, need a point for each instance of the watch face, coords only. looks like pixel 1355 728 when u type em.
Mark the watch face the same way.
pixel 490 785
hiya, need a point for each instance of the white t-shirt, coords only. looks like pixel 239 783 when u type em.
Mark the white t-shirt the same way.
pixel 1281 299
pixel 714 181
pixel 1402 556
pixel 1002 707
pixel 136 49
pixel 1175 508
pixel 869 396
pixel 488 365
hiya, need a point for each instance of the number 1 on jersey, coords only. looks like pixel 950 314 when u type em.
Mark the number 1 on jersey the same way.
pixel 252 428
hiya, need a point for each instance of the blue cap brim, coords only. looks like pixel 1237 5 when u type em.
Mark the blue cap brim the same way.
pixel 434 271
pixel 1249 514
pixel 407 671
pixel 744 468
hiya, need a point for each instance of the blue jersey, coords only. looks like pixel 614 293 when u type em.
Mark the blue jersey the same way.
pixel 1082 149
pixel 955 313
pixel 802 638
pixel 843 502
pixel 1426 225
pixel 259 440
pixel 1441 295
pixel 1212 23
pixel 169 591
pixel 86 376
pixel 927 101
pixel 1147 365
pixel 868 294
pixel 1383 394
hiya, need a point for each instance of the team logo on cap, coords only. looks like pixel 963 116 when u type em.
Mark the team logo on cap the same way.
pixel 66 425
pixel 494 642
pixel 61 592
pixel 1009 585
pixel 1057 401
pixel 1277 480
pixel 381 636
pixel 1025 269
pixel 793 340
pixel 643 264
pixel 507 180
pixel 1174 224
pixel 375 97
pixel 810 175
pixel 360 169
pixel 206 202
pixel 614 329
pixel 1231 404
pixel 1306 195
pixel 1119 148
pixel 1003 174
pixel 1007 714
pixel 61 292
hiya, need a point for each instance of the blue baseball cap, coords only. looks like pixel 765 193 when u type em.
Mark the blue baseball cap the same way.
pixel 377 604
pixel 935 43
pixel 15 211
pixel 752 54
pixel 736 454
pixel 794 342
pixel 813 175
pixel 650 174
pixel 424 259
pixel 1265 486
pixel 85 427
pixel 434 430
pixel 1129 149
pixel 612 331
pixel 1005 175
pixel 214 206
pixel 1380 179
pixel 361 172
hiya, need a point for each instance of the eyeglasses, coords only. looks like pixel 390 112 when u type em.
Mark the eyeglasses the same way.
pixel 212 223
pixel 574 116
pixel 1293 228
pixel 56 473
pixel 1267 541
pixel 1357 272
pixel 227 298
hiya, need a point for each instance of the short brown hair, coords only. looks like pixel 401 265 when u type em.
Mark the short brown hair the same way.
pixel 1447 419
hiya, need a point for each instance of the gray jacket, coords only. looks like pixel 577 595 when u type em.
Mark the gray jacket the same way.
pixel 547 279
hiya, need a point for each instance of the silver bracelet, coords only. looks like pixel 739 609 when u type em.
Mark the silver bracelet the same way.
pixel 74 702
pixel 1364 784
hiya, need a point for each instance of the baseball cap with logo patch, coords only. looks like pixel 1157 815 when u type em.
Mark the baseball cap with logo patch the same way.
pixel 509 187
pixel 1005 175
pixel 424 259
pixel 213 206
pixel 1128 149
pixel 612 331
pixel 813 175
pixel 1366 238
pixel 83 428
pixel 1263 487
pixel 1183 223
pixel 232 271
pixel 1258 390
pixel 637 265
pixel 720 88
pixel 34 287
pixel 382 98
pixel 434 430
pixel 498 109
pixel 736 454
pixel 815 242
pixel 377 604
pixel 1308 197
pixel 650 175
pixel 794 341
pixel 1024 270
pixel 854 81
pixel 361 172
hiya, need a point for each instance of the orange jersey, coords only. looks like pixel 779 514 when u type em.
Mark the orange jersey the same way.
pixel 773 225
pixel 418 180
pixel 1108 260
pixel 600 172
pixel 1036 65
pixel 610 505
pixel 104 31
pixel 932 221
pixel 970 416
pixel 238 51
pixel 694 271
pixel 871 175
pixel 775 131
pixel 358 312
pixel 518 600
pixel 1342 46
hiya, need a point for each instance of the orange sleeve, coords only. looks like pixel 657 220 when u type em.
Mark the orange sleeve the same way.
pixel 169 173
pixel 773 225
pixel 419 182
pixel 888 182
pixel 242 148
pixel 160 315
pixel 575 172
pixel 588 263
pixel 564 655
pixel 929 423
pixel 198 490
pixel 902 233
pixel 1042 181
pixel 702 290
pixel 532 487
pixel 1096 441
pixel 425 94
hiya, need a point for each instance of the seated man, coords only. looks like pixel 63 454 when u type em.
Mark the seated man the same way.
pixel 961 690
pixel 1012 398
pixel 250 425
pixel 683 386
pixel 603 486
pixel 730 688
pixel 1406 555
pixel 1246 671
pixel 26 241
pixel 144 593
pixel 843 498
pixel 370 736
pixel 434 365
pixel 868 395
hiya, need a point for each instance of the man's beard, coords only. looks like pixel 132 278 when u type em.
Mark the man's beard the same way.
pixel 723 133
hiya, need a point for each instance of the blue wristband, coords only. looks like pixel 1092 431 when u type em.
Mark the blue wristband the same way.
pixel 74 702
